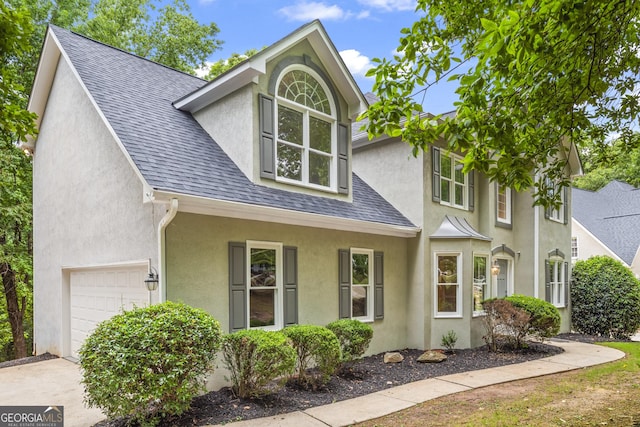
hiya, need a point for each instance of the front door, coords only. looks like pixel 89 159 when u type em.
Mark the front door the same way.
pixel 503 278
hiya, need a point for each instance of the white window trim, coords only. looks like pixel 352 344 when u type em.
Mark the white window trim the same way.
pixel 556 281
pixel 577 248
pixel 278 300
pixel 488 283
pixel 459 304
pixel 507 192
pixel 370 287
pixel 306 148
pixel 452 183
pixel 557 215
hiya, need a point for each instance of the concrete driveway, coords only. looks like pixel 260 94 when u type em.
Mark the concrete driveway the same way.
pixel 53 382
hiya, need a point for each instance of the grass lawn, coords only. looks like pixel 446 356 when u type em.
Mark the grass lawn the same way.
pixel 604 395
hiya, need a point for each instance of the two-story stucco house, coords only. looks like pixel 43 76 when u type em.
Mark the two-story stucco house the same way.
pixel 243 196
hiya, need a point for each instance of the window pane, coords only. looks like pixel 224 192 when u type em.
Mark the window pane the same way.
pixel 360 269
pixel 359 301
pixel 263 267
pixel 444 191
pixel 459 175
pixel 445 166
pixel 319 135
pixel 289 162
pixel 290 125
pixel 302 88
pixel 447 269
pixel 480 288
pixel 262 307
pixel 319 169
pixel 502 203
pixel 459 200
pixel 447 298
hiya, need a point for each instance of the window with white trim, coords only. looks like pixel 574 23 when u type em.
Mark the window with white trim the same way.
pixel 574 248
pixel 306 130
pixel 264 287
pixel 453 182
pixel 503 204
pixel 481 288
pixel 448 284
pixel 362 284
pixel 557 276
pixel 558 214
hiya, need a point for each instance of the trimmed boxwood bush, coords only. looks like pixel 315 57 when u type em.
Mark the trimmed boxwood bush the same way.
pixel 316 347
pixel 150 362
pixel 256 357
pixel 605 298
pixel 354 337
pixel 545 317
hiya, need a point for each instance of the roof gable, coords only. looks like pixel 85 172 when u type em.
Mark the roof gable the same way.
pixel 172 152
pixel 612 215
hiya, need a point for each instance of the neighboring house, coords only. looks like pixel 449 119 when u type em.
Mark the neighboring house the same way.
pixel 239 193
pixel 469 226
pixel 607 222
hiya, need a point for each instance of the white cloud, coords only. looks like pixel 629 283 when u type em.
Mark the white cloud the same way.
pixel 390 5
pixel 356 62
pixel 202 72
pixel 307 11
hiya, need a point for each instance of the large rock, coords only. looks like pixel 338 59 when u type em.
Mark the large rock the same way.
pixel 394 357
pixel 431 356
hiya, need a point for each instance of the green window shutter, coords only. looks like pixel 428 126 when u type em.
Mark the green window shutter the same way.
pixel 435 170
pixel 470 177
pixel 547 281
pixel 344 282
pixel 290 267
pixel 566 284
pixel 565 205
pixel 343 159
pixel 237 287
pixel 267 138
pixel 378 284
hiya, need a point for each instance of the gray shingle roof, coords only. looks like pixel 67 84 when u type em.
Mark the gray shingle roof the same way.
pixel 173 152
pixel 612 214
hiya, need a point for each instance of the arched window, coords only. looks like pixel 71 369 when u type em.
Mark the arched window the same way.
pixel 305 124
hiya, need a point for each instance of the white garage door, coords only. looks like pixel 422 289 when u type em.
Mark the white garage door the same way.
pixel 98 294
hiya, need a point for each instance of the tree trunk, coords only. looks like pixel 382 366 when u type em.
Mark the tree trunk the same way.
pixel 16 314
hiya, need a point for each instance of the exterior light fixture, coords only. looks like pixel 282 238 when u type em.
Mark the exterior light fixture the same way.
pixel 151 282
pixel 495 268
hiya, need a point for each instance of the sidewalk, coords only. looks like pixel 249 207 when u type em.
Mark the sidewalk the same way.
pixel 576 355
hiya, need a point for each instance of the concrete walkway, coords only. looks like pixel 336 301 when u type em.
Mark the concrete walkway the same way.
pixel 57 382
pixel 576 355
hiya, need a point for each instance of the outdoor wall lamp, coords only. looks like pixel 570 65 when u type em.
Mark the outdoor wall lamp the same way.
pixel 151 282
pixel 495 268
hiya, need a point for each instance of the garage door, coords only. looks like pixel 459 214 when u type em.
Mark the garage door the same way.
pixel 98 294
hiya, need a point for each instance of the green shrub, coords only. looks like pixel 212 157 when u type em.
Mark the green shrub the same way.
pixel 354 337
pixel 150 362
pixel 316 347
pixel 605 298
pixel 449 340
pixel 545 317
pixel 256 357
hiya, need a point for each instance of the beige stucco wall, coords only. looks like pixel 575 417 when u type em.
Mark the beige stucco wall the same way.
pixel 198 270
pixel 87 206
pixel 230 123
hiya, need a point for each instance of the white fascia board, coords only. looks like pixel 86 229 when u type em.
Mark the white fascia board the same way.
pixel 590 234
pixel 43 81
pixel 227 209
pixel 47 89
pixel 221 87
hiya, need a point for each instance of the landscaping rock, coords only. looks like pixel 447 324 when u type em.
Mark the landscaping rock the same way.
pixel 393 357
pixel 431 356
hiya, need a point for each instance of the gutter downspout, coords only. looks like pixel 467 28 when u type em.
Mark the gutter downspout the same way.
pixel 162 267
pixel 536 251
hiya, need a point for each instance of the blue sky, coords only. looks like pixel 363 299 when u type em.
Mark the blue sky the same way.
pixel 360 29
